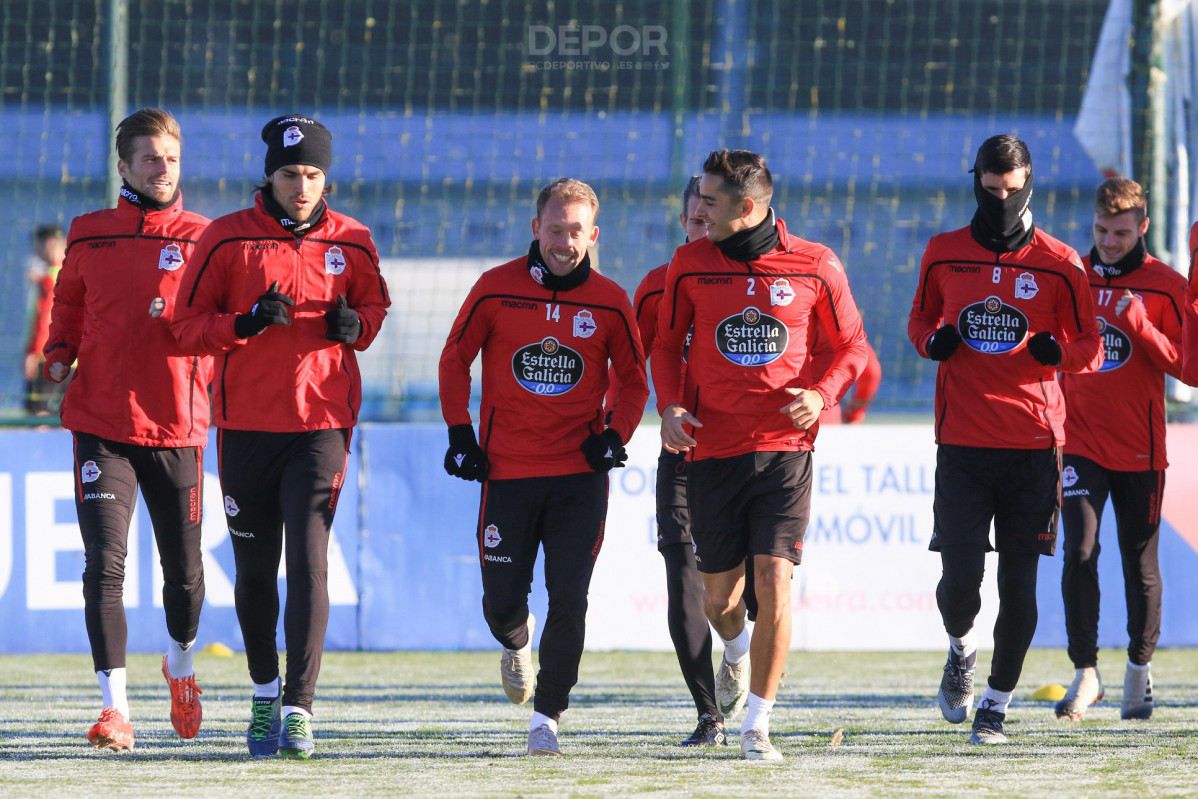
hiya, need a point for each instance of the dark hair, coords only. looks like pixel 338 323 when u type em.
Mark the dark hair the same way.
pixel 1001 154
pixel 690 192
pixel 745 174
pixel 1116 195
pixel 43 233
pixel 145 122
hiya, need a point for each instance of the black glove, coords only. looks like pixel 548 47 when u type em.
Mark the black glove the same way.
pixel 1044 348
pixel 270 309
pixel 943 343
pixel 344 324
pixel 604 451
pixel 465 458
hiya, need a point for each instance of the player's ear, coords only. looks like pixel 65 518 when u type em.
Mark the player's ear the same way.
pixel 536 228
pixel 747 206
pixel 594 236
pixel 1144 227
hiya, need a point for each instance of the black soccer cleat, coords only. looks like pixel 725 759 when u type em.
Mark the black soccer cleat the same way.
pixel 710 732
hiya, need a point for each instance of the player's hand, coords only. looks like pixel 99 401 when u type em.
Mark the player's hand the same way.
pixel 673 434
pixel 343 322
pixel 1044 348
pixel 270 309
pixel 465 458
pixel 157 307
pixel 1131 308
pixel 32 361
pixel 604 451
pixel 943 343
pixel 56 371
pixel 853 411
pixel 805 409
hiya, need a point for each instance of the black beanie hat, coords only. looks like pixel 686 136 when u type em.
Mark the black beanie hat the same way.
pixel 297 139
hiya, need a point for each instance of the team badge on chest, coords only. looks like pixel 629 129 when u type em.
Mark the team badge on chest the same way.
pixel 584 324
pixel 171 258
pixel 334 261
pixel 1025 286
pixel 781 293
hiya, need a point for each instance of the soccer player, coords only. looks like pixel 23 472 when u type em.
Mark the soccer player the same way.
pixel 286 292
pixel 687 620
pixel 1189 371
pixel 548 327
pixel 856 398
pixel 43 397
pixel 737 405
pixel 1017 300
pixel 1115 445
pixel 138 411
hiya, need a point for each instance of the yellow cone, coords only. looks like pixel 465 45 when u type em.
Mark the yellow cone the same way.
pixel 218 649
pixel 1050 693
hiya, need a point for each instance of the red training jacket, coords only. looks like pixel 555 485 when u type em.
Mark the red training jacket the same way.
pixel 752 325
pixel 545 357
pixel 289 378
pixel 134 383
pixel 1116 416
pixel 991 392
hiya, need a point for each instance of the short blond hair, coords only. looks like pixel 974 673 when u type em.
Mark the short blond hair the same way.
pixel 1118 195
pixel 568 190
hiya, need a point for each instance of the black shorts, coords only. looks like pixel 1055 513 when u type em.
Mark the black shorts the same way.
pixel 673 515
pixel 752 504
pixel 1019 490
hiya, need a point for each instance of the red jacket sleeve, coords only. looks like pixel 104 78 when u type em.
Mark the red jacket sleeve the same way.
pixel 674 317
pixel 1162 345
pixel 628 361
pixel 841 323
pixel 368 296
pixel 466 337
pixel 1081 348
pixel 926 308
pixel 1189 369
pixel 66 314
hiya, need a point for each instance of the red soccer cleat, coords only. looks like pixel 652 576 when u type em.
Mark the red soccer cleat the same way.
pixel 186 713
pixel 113 731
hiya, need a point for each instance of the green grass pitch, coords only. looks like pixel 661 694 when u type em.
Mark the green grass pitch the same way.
pixel 425 724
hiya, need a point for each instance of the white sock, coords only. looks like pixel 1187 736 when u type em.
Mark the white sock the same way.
pixel 966 646
pixel 179 661
pixel 540 719
pixel 1136 667
pixel 289 709
pixel 112 689
pixel 270 689
pixel 757 715
pixel 995 700
pixel 737 649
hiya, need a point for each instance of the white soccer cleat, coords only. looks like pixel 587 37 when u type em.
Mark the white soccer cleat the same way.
pixel 755 745
pixel 1085 691
pixel 956 689
pixel 731 687
pixel 542 742
pixel 516 669
pixel 1137 694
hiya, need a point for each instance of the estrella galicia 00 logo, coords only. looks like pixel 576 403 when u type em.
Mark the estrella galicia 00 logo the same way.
pixel 991 326
pixel 751 338
pixel 548 367
pixel 1116 345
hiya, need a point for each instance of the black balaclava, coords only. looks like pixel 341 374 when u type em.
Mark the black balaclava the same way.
pixel 1125 265
pixel 130 194
pixel 1002 225
pixel 751 243
pixel 540 272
